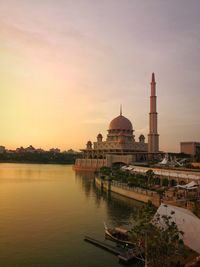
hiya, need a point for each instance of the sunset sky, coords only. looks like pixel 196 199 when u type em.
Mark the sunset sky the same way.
pixel 67 65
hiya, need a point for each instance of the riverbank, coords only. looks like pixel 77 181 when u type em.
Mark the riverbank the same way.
pixel 36 162
pixel 122 189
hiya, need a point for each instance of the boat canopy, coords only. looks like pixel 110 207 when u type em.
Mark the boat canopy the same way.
pixel 121 230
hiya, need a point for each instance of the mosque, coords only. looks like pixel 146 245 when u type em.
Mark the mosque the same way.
pixel 120 145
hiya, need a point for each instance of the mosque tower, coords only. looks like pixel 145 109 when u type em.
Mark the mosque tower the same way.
pixel 153 136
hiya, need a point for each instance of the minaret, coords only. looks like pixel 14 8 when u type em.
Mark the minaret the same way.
pixel 153 136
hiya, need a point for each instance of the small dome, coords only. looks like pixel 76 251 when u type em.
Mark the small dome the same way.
pixel 120 123
pixel 89 143
pixel 99 136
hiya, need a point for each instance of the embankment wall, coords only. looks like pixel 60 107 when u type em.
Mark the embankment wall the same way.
pixel 130 192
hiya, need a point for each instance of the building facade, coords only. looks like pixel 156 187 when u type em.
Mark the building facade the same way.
pixel 120 140
pixel 190 148
pixel 120 145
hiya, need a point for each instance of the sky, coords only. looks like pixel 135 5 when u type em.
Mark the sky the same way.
pixel 67 65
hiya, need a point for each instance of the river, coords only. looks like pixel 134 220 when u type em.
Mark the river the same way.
pixel 45 212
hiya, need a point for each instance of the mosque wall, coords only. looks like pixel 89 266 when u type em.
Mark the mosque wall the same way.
pixel 89 164
pixel 126 159
pixel 137 146
pixel 95 164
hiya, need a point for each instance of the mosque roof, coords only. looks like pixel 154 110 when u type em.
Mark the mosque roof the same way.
pixel 120 123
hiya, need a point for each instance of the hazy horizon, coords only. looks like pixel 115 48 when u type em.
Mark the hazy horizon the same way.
pixel 66 67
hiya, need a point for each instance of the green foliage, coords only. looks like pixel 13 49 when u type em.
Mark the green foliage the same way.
pixel 135 179
pixel 173 182
pixel 147 180
pixel 197 156
pixel 165 182
pixel 150 177
pixel 116 174
pixel 37 157
pixel 121 176
pixel 105 171
pixel 157 238
pixel 156 181
pixel 150 173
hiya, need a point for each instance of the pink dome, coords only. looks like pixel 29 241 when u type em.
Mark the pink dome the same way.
pixel 120 123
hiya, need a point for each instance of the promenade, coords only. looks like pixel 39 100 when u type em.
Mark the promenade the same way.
pixel 123 189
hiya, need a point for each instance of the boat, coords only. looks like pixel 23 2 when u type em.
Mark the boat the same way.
pixel 118 235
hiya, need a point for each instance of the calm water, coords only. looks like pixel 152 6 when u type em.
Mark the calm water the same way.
pixel 45 212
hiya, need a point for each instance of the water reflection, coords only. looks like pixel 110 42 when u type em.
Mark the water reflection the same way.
pixel 120 210
pixel 46 210
pixel 13 173
pixel 85 179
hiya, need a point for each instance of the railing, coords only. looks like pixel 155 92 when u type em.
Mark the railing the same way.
pixel 133 189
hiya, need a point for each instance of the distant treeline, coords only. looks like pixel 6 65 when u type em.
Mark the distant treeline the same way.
pixel 35 157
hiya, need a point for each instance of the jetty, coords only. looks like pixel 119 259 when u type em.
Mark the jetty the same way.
pixel 124 256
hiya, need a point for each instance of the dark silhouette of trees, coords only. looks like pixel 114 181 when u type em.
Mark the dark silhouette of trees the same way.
pixel 36 157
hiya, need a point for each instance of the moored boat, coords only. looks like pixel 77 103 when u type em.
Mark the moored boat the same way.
pixel 118 235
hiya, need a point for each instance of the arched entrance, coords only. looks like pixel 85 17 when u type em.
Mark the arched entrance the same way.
pixel 173 182
pixel 118 165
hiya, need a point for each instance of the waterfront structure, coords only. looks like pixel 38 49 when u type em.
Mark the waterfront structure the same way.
pixel 190 148
pixel 173 175
pixel 120 145
pixel 142 195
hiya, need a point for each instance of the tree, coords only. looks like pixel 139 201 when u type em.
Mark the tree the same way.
pixel 141 180
pixel 150 176
pixel 197 156
pixel 165 182
pixel 156 181
pixel 157 238
pixel 105 171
